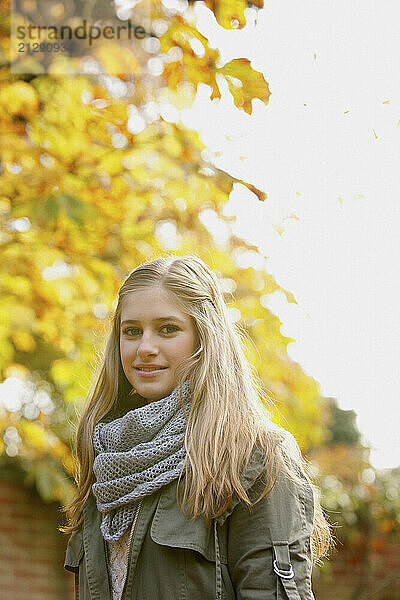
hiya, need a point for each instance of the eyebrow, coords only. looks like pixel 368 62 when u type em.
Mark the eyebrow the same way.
pixel 159 320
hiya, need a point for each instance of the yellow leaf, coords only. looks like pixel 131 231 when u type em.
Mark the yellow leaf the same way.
pixel 245 83
pixel 16 370
pixel 23 341
pixel 117 59
pixel 20 98
pixel 229 13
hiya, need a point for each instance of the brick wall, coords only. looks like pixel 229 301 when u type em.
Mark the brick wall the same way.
pixel 369 573
pixel 31 548
pixel 32 554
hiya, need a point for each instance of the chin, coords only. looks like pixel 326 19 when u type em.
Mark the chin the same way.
pixel 153 396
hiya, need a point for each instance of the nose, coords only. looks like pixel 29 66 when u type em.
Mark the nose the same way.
pixel 147 345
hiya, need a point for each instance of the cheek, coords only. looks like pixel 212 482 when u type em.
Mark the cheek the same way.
pixel 189 346
pixel 126 351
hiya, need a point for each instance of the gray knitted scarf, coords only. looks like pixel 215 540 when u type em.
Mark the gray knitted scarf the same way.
pixel 136 455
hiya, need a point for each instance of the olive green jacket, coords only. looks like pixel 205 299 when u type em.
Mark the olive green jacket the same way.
pixel 258 554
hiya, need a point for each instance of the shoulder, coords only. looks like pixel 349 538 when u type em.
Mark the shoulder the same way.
pixel 279 453
pixel 280 492
pixel 275 531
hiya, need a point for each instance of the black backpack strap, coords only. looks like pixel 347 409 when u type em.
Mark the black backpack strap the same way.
pixel 284 570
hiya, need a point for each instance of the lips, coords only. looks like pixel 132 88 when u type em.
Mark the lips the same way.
pixel 151 373
pixel 150 368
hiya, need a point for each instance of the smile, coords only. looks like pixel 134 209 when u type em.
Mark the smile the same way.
pixel 149 371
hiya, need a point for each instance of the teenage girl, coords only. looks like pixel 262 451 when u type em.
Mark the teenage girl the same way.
pixel 186 489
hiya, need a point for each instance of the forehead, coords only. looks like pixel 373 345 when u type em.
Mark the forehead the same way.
pixel 150 303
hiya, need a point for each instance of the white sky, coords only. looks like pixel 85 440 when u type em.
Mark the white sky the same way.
pixel 340 258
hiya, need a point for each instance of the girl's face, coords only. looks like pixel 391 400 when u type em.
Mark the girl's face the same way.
pixel 155 336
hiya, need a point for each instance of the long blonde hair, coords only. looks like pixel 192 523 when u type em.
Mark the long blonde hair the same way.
pixel 228 417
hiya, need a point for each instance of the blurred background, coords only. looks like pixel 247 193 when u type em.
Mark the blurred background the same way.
pixel 264 138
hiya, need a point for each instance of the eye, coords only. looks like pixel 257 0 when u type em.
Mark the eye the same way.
pixel 131 331
pixel 169 328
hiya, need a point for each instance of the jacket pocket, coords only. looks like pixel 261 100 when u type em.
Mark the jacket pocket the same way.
pixel 170 527
pixel 202 546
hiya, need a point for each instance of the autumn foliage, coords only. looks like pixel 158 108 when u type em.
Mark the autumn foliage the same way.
pixel 98 174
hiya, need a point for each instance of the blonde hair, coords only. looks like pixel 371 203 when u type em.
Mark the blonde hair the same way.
pixel 228 417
